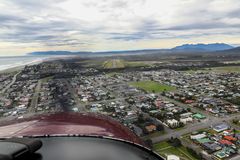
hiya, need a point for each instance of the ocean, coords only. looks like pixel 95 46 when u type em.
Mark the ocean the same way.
pixel 17 61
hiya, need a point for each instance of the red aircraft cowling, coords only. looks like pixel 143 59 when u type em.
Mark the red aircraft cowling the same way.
pixel 68 123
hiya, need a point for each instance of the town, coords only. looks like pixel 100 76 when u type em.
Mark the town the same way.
pixel 199 108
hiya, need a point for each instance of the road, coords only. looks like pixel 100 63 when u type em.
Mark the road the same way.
pixel 194 127
pixel 12 82
pixel 208 122
pixel 81 107
pixel 114 63
pixel 193 109
pixel 34 102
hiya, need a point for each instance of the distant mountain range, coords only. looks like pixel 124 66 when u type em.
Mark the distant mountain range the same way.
pixel 186 48
pixel 89 54
pixel 203 47
pixel 233 50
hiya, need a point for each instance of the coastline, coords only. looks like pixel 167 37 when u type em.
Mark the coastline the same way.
pixel 19 67
pixel 38 60
pixel 12 69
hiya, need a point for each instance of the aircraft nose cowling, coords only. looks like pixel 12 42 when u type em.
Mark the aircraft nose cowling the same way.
pixel 66 123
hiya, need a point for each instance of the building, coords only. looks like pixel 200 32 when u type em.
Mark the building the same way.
pixel 172 157
pixel 186 120
pixel 186 115
pixel 221 127
pixel 198 116
pixel 198 136
pixel 151 128
pixel 211 147
pixel 172 122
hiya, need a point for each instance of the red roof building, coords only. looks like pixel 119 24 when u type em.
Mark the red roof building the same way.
pixel 225 142
pixel 230 138
pixel 189 101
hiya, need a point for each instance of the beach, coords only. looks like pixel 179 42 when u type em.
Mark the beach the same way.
pixel 15 63
pixel 10 64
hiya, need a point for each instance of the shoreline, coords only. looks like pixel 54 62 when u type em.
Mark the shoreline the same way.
pixel 15 68
pixel 11 70
pixel 19 67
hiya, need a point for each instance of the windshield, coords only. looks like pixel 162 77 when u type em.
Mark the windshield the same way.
pixel 164 75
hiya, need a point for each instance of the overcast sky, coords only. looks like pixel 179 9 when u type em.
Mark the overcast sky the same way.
pixel 100 25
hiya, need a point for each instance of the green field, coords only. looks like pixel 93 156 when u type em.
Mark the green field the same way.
pixel 118 63
pixel 45 80
pixel 225 69
pixel 111 74
pixel 135 64
pixel 164 149
pixel 151 86
pixel 232 62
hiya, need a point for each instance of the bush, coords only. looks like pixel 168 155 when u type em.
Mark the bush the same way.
pixel 160 127
pixel 194 153
pixel 149 143
pixel 175 142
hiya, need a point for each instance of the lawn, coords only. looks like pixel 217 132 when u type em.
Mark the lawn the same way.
pixel 225 69
pixel 151 86
pixel 232 62
pixel 45 80
pixel 111 74
pixel 164 149
pixel 161 145
pixel 135 64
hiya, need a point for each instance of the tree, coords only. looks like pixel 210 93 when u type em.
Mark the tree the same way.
pixel 160 127
pixel 141 118
pixel 145 132
pixel 163 93
pixel 194 153
pixel 181 124
pixel 149 143
pixel 234 132
pixel 175 142
pixel 235 121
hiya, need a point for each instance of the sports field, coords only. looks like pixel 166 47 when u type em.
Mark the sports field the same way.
pixel 164 149
pixel 151 86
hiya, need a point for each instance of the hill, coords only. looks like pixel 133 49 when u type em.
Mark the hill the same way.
pixel 202 47
pixel 106 53
pixel 233 50
pixel 186 48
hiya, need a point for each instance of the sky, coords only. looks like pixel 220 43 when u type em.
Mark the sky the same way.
pixel 105 25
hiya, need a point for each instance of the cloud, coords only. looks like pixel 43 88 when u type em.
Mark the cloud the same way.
pixel 94 24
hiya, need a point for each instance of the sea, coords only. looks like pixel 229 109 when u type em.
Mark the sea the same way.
pixel 17 61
